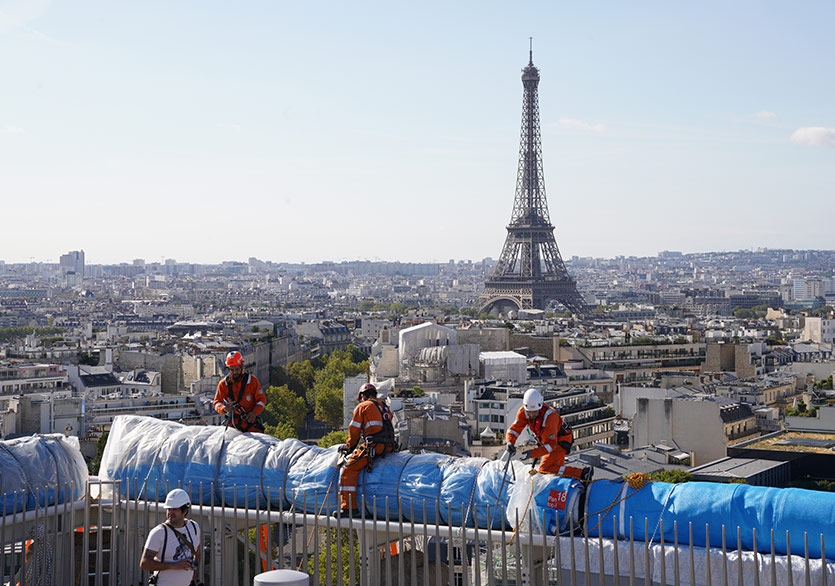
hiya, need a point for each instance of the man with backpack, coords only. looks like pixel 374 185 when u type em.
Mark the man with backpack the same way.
pixel 553 437
pixel 172 550
pixel 370 436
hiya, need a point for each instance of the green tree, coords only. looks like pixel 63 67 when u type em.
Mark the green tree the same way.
pixel 802 411
pixel 825 384
pixel 278 376
pixel 88 359
pixel 94 464
pixel 301 376
pixel 281 430
pixel 20 332
pixel 345 549
pixel 337 365
pixel 756 312
pixel 672 476
pixel 413 392
pixel 329 406
pixel 812 484
pixel 285 406
pixel 334 438
pixel 357 355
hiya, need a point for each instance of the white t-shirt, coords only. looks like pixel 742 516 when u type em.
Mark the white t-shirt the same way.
pixel 174 551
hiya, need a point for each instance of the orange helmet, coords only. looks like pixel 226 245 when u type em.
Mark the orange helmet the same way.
pixel 234 359
pixel 367 387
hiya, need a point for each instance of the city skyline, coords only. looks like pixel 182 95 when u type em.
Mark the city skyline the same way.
pixel 346 134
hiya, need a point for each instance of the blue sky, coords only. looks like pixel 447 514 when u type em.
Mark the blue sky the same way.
pixel 290 131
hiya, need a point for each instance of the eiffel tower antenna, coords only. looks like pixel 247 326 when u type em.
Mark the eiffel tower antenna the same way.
pixel 530 272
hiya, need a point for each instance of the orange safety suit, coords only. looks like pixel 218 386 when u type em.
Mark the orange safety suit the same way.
pixel 366 421
pixel 247 396
pixel 549 430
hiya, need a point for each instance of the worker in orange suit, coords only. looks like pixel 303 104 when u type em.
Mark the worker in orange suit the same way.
pixel 552 435
pixel 240 395
pixel 370 436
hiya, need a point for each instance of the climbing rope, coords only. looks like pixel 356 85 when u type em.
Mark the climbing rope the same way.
pixel 638 480
pixel 527 505
pixel 339 463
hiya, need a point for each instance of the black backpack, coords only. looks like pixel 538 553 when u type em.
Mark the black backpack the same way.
pixel 386 435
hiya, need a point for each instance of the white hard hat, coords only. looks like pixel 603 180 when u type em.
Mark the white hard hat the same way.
pixel 176 499
pixel 532 400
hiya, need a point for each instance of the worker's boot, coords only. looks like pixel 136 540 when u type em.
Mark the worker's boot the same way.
pixel 346 513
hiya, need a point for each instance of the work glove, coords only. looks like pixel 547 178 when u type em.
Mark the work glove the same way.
pixel 344 450
pixel 511 449
pixel 565 446
pixel 526 455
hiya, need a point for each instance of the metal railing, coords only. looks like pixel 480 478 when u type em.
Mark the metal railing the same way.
pixel 98 541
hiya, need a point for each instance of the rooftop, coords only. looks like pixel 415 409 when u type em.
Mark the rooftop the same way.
pixel 736 467
pixel 787 442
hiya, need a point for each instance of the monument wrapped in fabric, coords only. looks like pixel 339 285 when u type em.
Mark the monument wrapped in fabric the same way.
pixel 40 470
pixel 150 456
pixel 793 511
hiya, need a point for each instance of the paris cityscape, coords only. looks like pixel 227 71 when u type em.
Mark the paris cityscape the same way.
pixel 683 339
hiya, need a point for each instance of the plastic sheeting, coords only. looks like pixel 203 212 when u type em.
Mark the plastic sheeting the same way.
pixel 411 340
pixel 460 359
pixel 555 501
pixel 150 457
pixel 505 366
pixel 40 470
pixel 785 510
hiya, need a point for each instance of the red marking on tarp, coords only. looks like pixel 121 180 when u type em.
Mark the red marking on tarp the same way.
pixel 557 499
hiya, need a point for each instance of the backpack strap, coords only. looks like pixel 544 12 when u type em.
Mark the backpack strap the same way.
pixel 244 383
pixel 182 539
pixel 161 553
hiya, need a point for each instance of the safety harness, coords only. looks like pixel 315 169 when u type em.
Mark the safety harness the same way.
pixel 536 427
pixel 239 416
pixel 384 436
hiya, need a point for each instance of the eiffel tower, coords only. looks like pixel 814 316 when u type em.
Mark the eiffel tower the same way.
pixel 530 271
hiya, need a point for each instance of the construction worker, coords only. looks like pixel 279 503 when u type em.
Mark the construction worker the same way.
pixel 552 435
pixel 370 436
pixel 240 396
pixel 172 550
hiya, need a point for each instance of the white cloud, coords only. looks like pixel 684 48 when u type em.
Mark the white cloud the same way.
pixel 584 126
pixel 766 115
pixel 232 127
pixel 814 136
pixel 13 130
